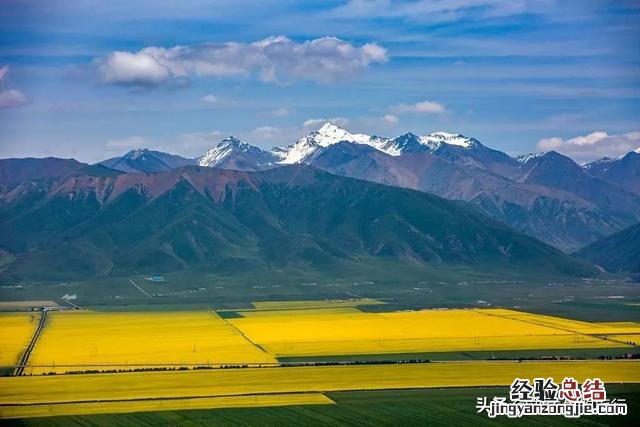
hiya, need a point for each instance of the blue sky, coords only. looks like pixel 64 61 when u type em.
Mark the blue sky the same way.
pixel 92 79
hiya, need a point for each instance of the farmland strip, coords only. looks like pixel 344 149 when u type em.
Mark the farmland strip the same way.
pixel 24 359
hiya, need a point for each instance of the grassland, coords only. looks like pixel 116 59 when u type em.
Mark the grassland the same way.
pixel 16 329
pixel 347 331
pixel 82 340
pixel 356 408
pixel 454 288
pixel 305 305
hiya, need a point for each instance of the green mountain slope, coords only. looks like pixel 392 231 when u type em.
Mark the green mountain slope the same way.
pixel 229 222
pixel 617 253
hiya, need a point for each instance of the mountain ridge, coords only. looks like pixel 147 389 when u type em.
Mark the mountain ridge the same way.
pixel 293 217
pixel 545 195
pixel 617 253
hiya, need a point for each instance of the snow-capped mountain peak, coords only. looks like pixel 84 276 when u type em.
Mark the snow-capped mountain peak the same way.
pixel 222 150
pixel 330 134
pixel 597 163
pixel 236 154
pixel 524 158
pixel 307 146
pixel 407 143
pixel 136 154
pixel 436 139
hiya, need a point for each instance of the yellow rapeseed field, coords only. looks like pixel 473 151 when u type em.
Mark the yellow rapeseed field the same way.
pixel 84 340
pixel 567 324
pixel 73 341
pixel 16 330
pixel 234 382
pixel 634 339
pixel 124 406
pixel 349 331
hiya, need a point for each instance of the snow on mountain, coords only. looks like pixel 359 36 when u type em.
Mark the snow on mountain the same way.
pixel 437 139
pixel 524 158
pixel 408 143
pixel 232 152
pixel 306 147
pixel 327 135
pixel 598 163
pixel 218 153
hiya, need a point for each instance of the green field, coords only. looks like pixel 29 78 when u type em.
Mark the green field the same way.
pixel 371 408
pixel 598 301
pixel 573 353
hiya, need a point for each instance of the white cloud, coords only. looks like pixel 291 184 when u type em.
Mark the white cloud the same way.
pixel 390 119
pixel 210 99
pixel 423 107
pixel 316 123
pixel 274 59
pixel 10 98
pixel 279 112
pixel 592 146
pixel 267 132
pixel 137 69
pixel 549 144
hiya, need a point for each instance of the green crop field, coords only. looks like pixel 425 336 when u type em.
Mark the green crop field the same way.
pixel 371 408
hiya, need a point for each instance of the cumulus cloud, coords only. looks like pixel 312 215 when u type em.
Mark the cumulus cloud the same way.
pixel 424 107
pixel 274 59
pixel 390 119
pixel 210 99
pixel 10 98
pixel 592 146
pixel 137 69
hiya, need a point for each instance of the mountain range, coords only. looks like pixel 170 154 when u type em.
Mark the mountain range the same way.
pixel 546 195
pixel 617 253
pixel 81 221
